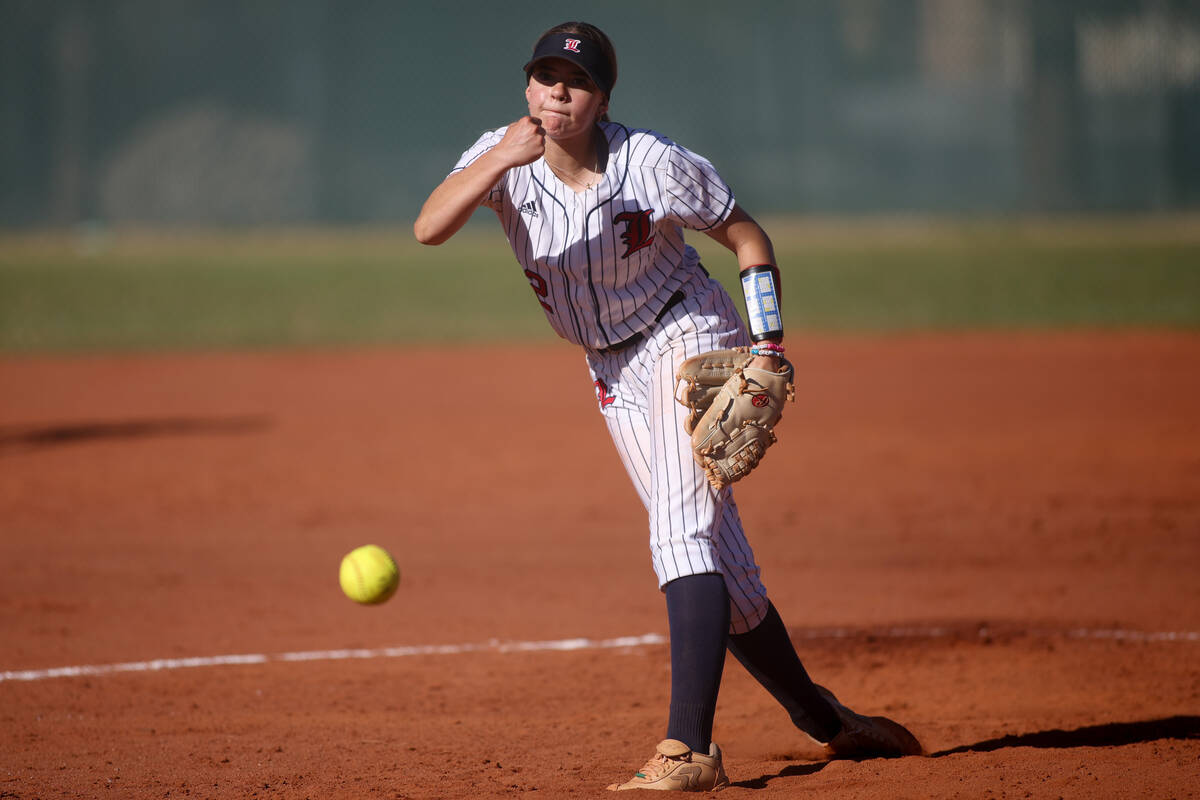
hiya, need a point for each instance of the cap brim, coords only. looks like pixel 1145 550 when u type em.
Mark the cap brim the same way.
pixel 590 62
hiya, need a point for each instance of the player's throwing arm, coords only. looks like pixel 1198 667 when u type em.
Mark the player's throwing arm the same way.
pixel 454 201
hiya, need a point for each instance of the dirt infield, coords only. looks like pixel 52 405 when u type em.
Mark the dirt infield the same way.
pixel 994 538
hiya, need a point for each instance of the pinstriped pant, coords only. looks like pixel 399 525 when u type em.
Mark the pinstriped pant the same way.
pixel 693 529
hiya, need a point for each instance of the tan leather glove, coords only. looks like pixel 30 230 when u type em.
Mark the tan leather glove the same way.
pixel 734 410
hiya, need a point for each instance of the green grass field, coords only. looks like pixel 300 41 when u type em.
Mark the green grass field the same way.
pixel 319 288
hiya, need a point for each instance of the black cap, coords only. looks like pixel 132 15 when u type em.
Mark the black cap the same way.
pixel 584 53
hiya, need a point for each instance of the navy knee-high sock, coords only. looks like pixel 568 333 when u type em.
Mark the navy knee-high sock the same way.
pixel 767 653
pixel 698 613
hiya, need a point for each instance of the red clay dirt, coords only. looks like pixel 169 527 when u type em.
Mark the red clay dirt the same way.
pixel 994 538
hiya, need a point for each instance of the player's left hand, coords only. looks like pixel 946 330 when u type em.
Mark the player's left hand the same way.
pixel 736 400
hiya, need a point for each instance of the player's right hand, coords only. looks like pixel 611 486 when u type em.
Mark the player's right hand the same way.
pixel 523 143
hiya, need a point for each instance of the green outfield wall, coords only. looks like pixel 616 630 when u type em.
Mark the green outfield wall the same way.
pixel 261 112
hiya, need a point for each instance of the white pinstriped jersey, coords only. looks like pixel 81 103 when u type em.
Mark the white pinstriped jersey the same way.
pixel 604 262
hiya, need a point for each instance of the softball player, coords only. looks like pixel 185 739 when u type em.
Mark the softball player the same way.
pixel 594 212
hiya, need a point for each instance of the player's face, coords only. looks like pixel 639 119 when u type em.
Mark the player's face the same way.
pixel 564 98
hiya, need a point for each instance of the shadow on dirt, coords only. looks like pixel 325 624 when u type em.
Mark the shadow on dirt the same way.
pixel 1113 734
pixel 21 438
pixel 790 771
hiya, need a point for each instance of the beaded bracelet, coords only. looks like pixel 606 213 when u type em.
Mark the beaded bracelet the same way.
pixel 759 350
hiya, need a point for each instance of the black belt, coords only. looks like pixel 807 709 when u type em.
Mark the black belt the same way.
pixel 675 300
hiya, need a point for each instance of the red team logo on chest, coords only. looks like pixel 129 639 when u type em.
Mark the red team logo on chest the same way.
pixel 638 232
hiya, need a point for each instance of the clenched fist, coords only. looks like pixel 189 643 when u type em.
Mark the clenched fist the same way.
pixel 524 142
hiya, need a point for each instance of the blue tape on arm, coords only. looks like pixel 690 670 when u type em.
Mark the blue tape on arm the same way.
pixel 761 289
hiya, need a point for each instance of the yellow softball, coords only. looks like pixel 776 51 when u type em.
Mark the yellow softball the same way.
pixel 369 575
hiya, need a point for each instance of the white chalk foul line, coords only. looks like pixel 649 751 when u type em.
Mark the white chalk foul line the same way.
pixel 493 646
pixel 496 646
